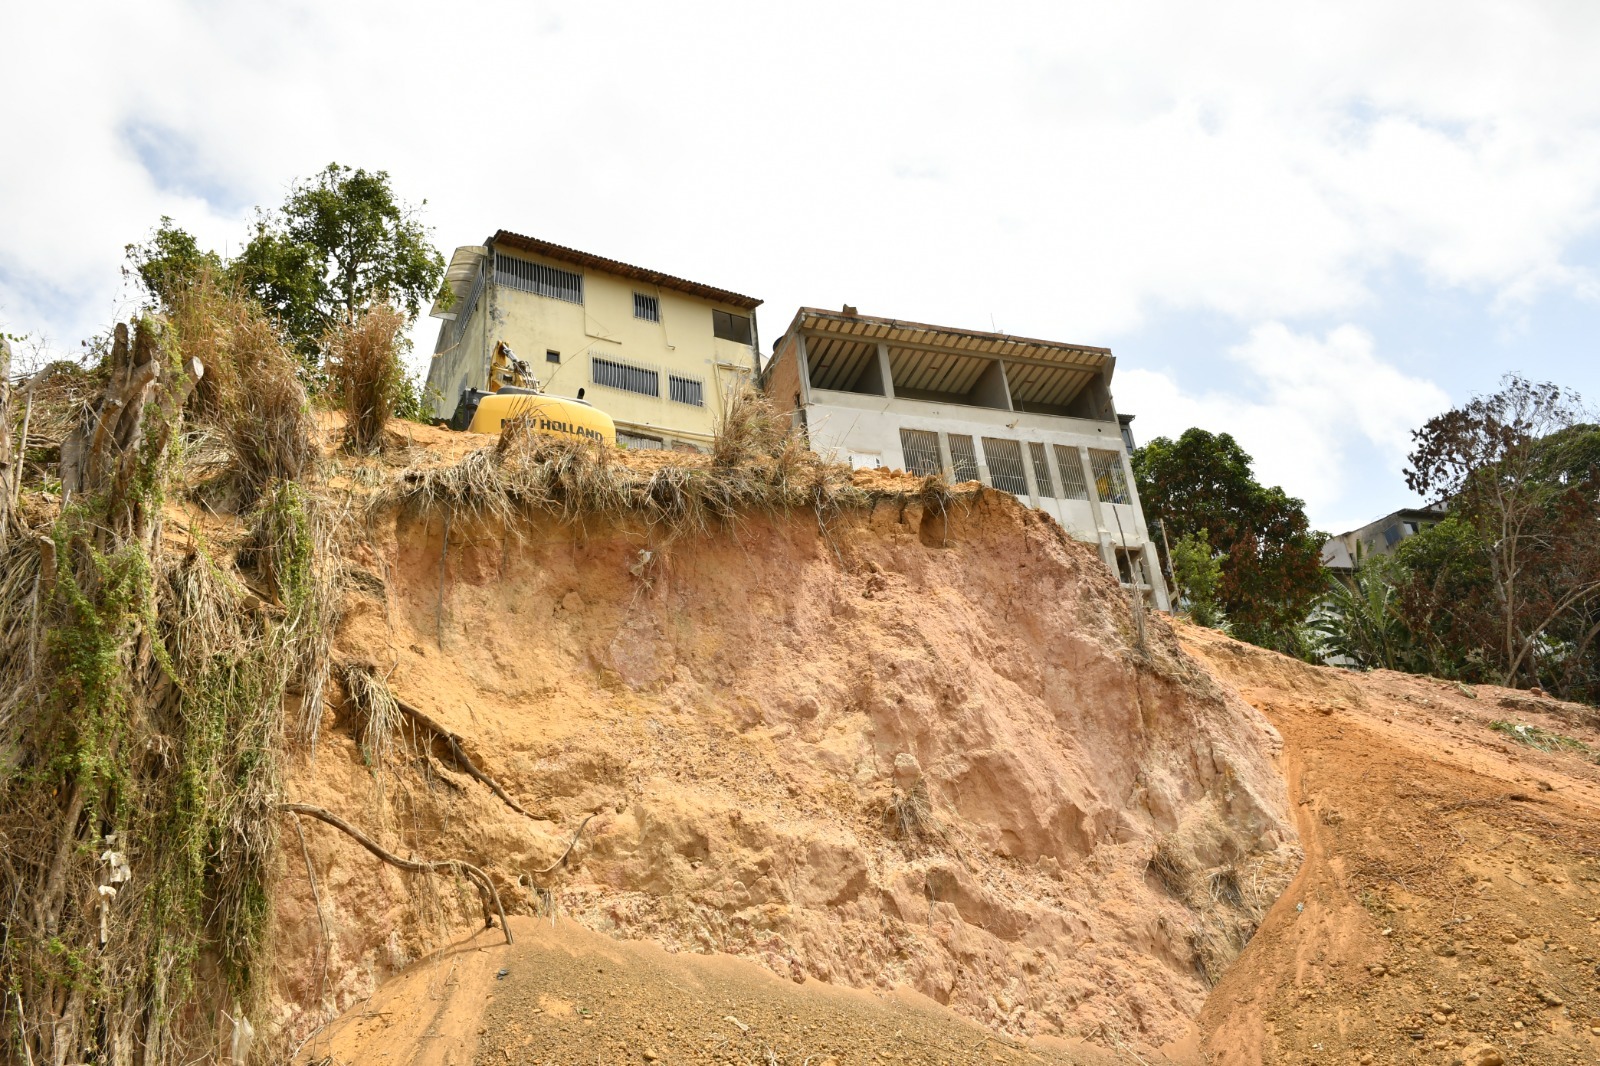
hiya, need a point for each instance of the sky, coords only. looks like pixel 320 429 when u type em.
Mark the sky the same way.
pixel 1313 226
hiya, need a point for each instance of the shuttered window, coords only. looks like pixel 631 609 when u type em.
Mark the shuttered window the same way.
pixel 921 449
pixel 1005 465
pixel 1073 487
pixel 691 391
pixel 537 278
pixel 1041 470
pixel 963 457
pixel 1109 481
pixel 615 374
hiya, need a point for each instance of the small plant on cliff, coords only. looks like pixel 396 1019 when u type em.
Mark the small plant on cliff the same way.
pixel 367 373
pixel 1198 572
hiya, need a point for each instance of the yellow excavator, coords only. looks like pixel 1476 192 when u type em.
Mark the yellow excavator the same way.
pixel 514 392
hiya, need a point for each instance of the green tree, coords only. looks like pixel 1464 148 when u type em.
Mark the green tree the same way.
pixel 341 244
pixel 1198 573
pixel 1271 559
pixel 1361 618
pixel 169 261
pixel 1521 471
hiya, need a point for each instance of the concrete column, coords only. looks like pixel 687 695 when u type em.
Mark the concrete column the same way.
pixel 883 369
pixel 803 361
pixel 944 457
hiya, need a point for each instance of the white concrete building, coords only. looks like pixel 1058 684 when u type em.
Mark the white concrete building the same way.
pixel 1030 417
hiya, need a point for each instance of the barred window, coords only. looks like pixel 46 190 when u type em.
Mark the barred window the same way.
pixel 963 457
pixel 1005 465
pixel 921 450
pixel 730 327
pixel 1041 470
pixel 537 278
pixel 1073 487
pixel 636 442
pixel 646 307
pixel 615 374
pixel 1109 480
pixel 691 391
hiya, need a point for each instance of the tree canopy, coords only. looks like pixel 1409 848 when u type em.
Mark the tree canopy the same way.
pixel 1271 569
pixel 341 244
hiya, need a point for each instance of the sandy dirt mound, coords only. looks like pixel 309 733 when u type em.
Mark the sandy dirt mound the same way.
pixel 562 994
pixel 916 751
pixel 1447 909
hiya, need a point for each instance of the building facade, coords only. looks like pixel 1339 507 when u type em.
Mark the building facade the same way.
pixel 1033 418
pixel 655 352
pixel 1380 537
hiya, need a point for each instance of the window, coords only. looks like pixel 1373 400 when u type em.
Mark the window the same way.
pixel 1068 461
pixel 1041 470
pixel 921 449
pixel 463 314
pixel 538 279
pixel 636 442
pixel 1109 481
pixel 552 356
pixel 615 374
pixel 1005 465
pixel 1130 566
pixel 691 391
pixel 730 327
pixel 646 307
pixel 963 457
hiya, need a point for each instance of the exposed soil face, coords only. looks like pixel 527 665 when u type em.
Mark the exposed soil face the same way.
pixel 916 751
pixel 1448 906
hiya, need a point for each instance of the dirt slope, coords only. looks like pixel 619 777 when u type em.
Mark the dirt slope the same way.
pixel 562 994
pixel 916 751
pixel 1448 905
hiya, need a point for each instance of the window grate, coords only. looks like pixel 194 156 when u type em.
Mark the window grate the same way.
pixel 646 307
pixel 730 327
pixel 921 450
pixel 613 374
pixel 691 391
pixel 1109 480
pixel 1070 463
pixel 963 458
pixel 1005 465
pixel 635 442
pixel 537 278
pixel 1041 470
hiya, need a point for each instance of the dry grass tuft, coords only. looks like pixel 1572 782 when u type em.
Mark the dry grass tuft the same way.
pixel 908 816
pixel 364 363
pixel 528 473
pixel 1170 869
pixel 251 393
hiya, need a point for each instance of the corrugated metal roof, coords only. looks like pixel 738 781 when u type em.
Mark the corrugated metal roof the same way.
pixel 507 239
pixel 458 276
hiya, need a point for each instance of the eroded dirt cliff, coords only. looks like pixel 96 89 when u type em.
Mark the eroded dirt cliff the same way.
pixel 905 747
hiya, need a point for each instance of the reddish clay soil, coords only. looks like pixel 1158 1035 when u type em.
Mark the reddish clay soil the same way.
pixel 1447 909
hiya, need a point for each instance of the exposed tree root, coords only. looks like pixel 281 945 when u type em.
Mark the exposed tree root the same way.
pixel 472 873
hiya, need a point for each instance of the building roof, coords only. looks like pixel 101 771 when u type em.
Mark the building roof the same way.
pixel 507 239
pixel 945 359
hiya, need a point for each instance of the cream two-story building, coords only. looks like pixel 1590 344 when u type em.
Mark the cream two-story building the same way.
pixel 656 352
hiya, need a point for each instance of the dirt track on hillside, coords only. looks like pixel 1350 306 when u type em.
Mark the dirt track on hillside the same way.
pixel 1447 908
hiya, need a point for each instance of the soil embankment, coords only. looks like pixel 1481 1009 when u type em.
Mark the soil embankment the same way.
pixel 1449 903
pixel 896 749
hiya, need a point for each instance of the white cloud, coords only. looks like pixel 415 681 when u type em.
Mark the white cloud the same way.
pixel 1324 417
pixel 1062 169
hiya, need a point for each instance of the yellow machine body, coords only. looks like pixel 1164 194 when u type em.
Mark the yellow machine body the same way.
pixel 546 414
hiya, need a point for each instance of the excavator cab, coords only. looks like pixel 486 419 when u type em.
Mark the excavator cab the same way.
pixel 515 393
